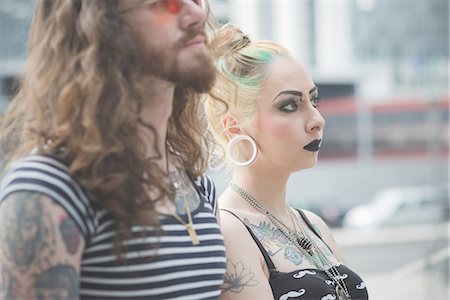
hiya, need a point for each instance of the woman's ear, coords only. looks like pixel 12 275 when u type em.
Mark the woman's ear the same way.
pixel 230 126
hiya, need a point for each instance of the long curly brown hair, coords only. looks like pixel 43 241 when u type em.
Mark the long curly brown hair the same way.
pixel 81 90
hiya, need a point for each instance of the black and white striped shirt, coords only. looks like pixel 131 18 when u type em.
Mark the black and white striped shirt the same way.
pixel 174 270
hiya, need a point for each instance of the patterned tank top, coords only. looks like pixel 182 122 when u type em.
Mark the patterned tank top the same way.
pixel 310 283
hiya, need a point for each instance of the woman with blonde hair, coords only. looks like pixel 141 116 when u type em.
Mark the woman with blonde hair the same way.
pixel 268 126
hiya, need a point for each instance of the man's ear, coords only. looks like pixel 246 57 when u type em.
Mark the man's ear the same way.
pixel 230 126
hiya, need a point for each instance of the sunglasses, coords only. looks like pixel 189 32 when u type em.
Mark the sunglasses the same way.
pixel 171 6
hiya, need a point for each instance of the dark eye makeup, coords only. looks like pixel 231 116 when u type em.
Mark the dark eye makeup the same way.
pixel 288 105
pixel 315 100
pixel 293 100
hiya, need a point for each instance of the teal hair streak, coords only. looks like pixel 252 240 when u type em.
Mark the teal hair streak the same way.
pixel 262 56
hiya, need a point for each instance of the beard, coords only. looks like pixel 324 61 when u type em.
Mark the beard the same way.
pixel 199 78
pixel 198 73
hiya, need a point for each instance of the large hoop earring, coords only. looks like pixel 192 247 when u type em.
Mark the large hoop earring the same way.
pixel 239 138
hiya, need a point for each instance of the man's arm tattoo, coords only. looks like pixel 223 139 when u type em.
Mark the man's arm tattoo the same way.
pixel 58 282
pixel 70 234
pixel 33 250
pixel 237 278
pixel 9 286
pixel 23 229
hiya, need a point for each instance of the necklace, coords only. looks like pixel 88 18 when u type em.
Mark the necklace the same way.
pixel 174 178
pixel 304 243
pixel 328 267
pixel 189 225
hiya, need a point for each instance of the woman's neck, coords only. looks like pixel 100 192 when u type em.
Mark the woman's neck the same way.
pixel 267 188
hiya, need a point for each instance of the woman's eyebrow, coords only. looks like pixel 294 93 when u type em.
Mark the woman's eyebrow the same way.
pixel 295 93
pixel 314 89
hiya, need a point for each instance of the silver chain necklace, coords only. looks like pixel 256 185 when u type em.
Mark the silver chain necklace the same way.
pixel 328 266
pixel 304 243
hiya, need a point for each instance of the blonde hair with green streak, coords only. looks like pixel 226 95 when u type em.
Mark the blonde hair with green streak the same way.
pixel 242 72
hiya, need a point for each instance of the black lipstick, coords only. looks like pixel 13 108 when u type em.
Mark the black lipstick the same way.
pixel 314 146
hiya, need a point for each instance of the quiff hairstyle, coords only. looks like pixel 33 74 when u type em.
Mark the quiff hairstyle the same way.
pixel 242 66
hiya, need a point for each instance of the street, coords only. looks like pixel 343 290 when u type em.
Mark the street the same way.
pixel 400 263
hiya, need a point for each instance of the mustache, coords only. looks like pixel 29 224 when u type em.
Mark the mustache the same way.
pixel 192 34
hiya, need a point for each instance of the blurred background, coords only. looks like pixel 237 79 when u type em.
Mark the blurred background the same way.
pixel 382 68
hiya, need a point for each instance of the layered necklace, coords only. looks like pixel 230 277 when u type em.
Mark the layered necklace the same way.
pixel 304 242
pixel 183 189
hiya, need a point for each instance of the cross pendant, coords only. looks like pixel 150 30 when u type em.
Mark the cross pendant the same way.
pixel 190 229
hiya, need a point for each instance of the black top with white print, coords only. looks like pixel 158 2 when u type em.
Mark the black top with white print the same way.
pixel 308 284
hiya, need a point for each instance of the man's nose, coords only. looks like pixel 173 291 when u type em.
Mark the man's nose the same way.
pixel 192 15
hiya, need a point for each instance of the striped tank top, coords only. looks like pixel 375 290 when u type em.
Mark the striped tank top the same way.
pixel 164 267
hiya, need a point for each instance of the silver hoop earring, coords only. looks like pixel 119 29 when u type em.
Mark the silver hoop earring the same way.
pixel 239 138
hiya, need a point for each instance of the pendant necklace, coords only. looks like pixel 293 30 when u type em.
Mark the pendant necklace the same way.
pixel 189 225
pixel 305 244
pixel 332 271
pixel 174 178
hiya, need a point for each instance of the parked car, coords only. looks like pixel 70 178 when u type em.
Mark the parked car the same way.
pixel 401 206
pixel 331 209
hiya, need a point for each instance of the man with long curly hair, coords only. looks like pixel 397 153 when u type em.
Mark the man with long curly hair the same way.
pixel 103 196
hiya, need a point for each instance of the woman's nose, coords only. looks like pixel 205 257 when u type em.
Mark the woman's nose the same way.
pixel 316 122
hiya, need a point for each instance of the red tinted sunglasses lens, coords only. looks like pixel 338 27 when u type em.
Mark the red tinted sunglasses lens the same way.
pixel 174 6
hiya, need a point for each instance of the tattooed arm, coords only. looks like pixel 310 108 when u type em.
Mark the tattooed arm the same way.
pixel 40 249
pixel 245 277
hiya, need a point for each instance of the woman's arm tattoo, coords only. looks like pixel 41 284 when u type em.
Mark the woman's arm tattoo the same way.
pixel 237 277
